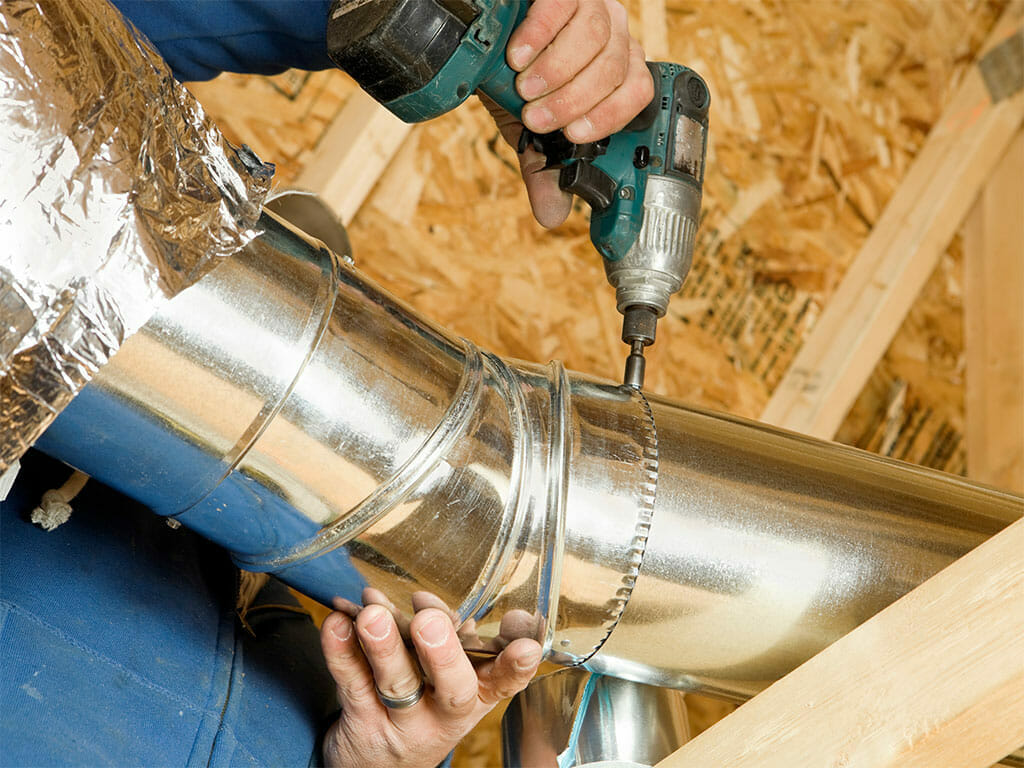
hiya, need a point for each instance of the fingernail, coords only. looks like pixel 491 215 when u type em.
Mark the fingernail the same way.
pixel 342 630
pixel 434 632
pixel 378 626
pixel 580 130
pixel 532 87
pixel 528 661
pixel 538 118
pixel 520 56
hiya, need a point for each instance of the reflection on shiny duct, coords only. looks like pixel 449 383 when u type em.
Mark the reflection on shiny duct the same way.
pixel 292 411
pixel 574 718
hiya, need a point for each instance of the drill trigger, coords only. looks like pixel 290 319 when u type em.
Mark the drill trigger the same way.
pixel 558 150
pixel 590 183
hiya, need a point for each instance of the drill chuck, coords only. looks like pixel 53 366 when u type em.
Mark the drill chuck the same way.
pixel 639 324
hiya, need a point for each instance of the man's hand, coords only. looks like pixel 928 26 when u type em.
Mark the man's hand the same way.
pixel 368 654
pixel 579 70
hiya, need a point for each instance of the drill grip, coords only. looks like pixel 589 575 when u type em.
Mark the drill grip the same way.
pixel 422 58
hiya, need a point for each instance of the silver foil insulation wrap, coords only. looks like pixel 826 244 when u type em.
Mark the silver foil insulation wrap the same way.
pixel 116 193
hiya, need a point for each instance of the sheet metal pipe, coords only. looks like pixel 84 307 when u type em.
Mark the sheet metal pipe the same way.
pixel 577 719
pixel 295 413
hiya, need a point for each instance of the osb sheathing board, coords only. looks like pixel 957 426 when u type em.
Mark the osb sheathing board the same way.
pixel 818 108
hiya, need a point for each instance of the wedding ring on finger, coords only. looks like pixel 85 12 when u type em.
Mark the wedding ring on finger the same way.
pixel 402 702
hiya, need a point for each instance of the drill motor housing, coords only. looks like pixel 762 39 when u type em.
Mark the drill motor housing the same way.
pixel 422 58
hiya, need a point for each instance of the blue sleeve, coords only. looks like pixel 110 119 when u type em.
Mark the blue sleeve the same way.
pixel 202 38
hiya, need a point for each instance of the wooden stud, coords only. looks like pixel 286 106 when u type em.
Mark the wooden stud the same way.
pixel 937 678
pixel 352 154
pixel 400 187
pixel 903 248
pixel 994 326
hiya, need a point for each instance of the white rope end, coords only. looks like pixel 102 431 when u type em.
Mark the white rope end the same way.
pixel 55 507
pixel 52 511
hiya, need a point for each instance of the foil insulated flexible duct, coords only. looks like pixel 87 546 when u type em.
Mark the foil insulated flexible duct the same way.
pixel 291 410
pixel 116 193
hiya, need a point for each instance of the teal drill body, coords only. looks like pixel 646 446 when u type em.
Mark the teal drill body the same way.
pixel 422 58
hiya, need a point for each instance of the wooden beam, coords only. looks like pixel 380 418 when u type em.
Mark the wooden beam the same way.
pixel 398 192
pixel 352 154
pixel 935 679
pixel 876 293
pixel 994 326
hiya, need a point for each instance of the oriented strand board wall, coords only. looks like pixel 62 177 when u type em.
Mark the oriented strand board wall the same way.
pixel 818 107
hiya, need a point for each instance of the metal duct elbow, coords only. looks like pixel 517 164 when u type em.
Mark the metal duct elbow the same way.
pixel 292 411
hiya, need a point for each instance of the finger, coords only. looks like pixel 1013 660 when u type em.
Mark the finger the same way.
pixel 468 636
pixel 348 667
pixel 625 103
pixel 445 663
pixel 589 37
pixel 588 85
pixel 510 673
pixel 508 125
pixel 519 623
pixel 570 77
pixel 551 206
pixel 373 596
pixel 423 599
pixel 543 22
pixel 346 606
pixel 394 670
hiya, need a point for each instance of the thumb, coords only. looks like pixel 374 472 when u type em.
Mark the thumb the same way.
pixel 551 206
pixel 510 672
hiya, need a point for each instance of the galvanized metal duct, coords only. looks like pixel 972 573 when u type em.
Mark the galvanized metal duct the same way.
pixel 297 414
pixel 577 719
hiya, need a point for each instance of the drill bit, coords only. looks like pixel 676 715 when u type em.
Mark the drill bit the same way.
pixel 638 328
pixel 635 365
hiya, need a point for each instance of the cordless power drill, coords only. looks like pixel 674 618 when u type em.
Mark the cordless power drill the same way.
pixel 422 58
